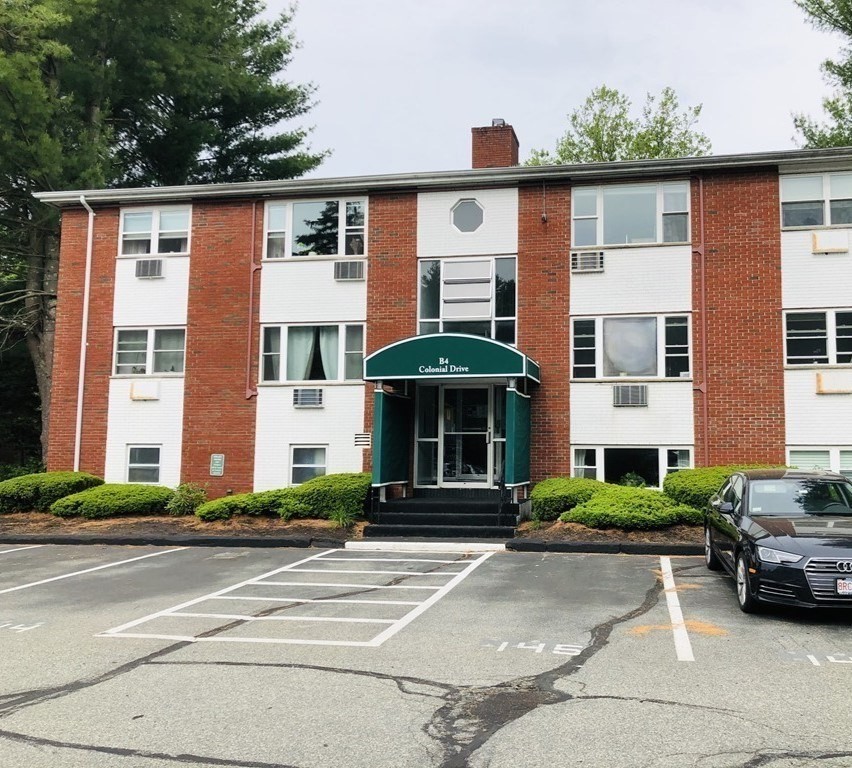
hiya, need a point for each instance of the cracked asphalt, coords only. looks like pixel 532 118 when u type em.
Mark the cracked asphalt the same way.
pixel 529 659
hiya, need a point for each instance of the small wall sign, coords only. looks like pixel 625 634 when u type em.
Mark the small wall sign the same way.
pixel 217 464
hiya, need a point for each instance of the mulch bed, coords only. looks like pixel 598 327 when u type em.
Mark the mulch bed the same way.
pixel 242 525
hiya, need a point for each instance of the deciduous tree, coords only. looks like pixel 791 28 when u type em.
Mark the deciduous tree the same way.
pixel 602 130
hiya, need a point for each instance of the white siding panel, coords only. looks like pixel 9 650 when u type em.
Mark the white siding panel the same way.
pixel 667 420
pixel 293 291
pixel 145 422
pixel 814 419
pixel 280 425
pixel 635 280
pixel 436 235
pixel 813 280
pixel 157 301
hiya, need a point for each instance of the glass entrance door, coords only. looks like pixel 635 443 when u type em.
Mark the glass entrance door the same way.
pixel 466 436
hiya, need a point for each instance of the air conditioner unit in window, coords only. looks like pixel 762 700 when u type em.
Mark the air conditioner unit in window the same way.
pixel 307 398
pixel 630 395
pixel 148 268
pixel 348 270
pixel 587 261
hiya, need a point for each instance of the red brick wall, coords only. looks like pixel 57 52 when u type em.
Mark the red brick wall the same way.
pixel 494 147
pixel 745 355
pixel 392 281
pixel 217 415
pixel 543 322
pixel 66 354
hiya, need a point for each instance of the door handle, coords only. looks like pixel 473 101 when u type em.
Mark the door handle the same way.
pixel 488 437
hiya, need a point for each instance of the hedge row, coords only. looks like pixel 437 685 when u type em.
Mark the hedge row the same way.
pixel 115 499
pixel 550 498
pixel 341 498
pixel 694 487
pixel 37 492
pixel 631 508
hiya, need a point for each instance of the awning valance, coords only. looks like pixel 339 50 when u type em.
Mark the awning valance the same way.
pixel 449 356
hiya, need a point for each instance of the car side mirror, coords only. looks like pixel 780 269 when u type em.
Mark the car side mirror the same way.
pixel 722 507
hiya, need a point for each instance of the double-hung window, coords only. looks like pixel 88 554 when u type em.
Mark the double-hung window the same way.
pixel 816 200
pixel 315 228
pixel 475 296
pixel 140 351
pixel 641 346
pixel 819 338
pixel 630 214
pixel 312 353
pixel 155 231
pixel 307 462
pixel 143 464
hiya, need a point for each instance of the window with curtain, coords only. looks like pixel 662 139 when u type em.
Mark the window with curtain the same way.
pixel 312 353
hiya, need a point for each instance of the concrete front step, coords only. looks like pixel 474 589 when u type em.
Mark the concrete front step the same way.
pixel 373 531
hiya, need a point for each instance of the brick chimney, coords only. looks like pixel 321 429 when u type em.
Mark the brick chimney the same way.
pixel 495 146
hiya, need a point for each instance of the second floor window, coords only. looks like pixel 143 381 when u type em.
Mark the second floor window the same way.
pixel 475 296
pixel 819 338
pixel 312 353
pixel 643 346
pixel 630 214
pixel 155 231
pixel 816 200
pixel 315 228
pixel 141 351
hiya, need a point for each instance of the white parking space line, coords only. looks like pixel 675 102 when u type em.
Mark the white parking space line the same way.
pixel 90 570
pixel 20 549
pixel 385 560
pixel 394 625
pixel 338 584
pixel 683 647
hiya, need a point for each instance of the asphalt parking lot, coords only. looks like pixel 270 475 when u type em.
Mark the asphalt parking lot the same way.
pixel 145 656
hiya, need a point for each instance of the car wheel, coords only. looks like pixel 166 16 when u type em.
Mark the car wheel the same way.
pixel 711 559
pixel 745 597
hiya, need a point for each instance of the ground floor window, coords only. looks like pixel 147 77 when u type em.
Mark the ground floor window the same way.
pixel 143 463
pixel 630 466
pixel 307 461
pixel 831 459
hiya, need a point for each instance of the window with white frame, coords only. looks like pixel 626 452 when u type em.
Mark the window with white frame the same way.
pixel 143 463
pixel 155 231
pixel 631 465
pixel 630 214
pixel 307 462
pixel 315 228
pixel 817 199
pixel 641 346
pixel 312 353
pixel 819 338
pixel 141 351
pixel 475 296
pixel 831 459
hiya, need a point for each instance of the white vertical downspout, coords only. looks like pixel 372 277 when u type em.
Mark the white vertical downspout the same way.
pixel 84 334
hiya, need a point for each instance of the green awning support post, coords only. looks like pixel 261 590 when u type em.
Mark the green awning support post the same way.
pixel 391 438
pixel 517 467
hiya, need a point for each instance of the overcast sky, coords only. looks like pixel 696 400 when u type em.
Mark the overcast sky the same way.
pixel 400 83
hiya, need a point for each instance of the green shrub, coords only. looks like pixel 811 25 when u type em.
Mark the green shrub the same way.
pixel 630 508
pixel 257 504
pixel 115 499
pixel 186 499
pixel 695 486
pixel 550 498
pixel 341 498
pixel 37 492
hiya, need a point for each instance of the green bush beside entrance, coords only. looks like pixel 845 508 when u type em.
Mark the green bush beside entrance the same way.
pixel 631 508
pixel 552 497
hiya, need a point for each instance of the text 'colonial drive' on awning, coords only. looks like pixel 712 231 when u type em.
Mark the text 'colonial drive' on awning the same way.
pixel 449 360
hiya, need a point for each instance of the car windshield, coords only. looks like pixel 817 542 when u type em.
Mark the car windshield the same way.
pixel 789 497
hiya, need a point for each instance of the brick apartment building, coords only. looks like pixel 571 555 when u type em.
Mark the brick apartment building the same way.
pixel 462 329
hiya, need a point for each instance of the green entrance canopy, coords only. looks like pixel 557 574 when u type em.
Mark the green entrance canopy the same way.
pixel 449 356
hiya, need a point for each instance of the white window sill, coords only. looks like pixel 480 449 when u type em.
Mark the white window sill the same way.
pixel 634 379
pixel 627 246
pixel 313 384
pixel 135 256
pixel 146 376
pixel 816 227
pixel 818 366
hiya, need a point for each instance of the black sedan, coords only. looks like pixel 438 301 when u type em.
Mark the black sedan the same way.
pixel 784 535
